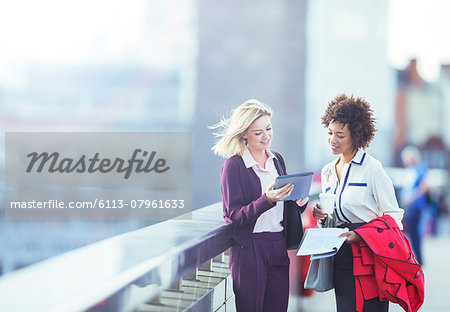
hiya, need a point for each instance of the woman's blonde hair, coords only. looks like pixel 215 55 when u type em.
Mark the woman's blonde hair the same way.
pixel 230 131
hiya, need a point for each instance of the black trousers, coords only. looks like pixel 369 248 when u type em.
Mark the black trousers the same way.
pixel 344 282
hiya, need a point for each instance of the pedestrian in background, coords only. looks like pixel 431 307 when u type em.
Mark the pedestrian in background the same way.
pixel 259 261
pixel 414 198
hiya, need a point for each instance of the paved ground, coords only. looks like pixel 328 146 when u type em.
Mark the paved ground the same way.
pixel 437 280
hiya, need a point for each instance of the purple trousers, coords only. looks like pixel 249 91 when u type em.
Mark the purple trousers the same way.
pixel 260 274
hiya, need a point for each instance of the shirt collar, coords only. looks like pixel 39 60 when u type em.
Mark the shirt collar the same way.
pixel 359 157
pixel 248 159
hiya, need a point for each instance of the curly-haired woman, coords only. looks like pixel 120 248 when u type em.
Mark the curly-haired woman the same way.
pixel 363 190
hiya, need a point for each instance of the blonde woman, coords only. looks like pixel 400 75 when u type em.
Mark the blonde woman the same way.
pixel 259 262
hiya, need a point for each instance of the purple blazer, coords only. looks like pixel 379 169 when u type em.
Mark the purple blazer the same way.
pixel 242 200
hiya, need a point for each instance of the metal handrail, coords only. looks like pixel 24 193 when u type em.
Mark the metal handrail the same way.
pixel 99 277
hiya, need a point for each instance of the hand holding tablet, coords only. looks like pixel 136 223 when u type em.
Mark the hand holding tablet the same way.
pixel 275 195
pixel 301 181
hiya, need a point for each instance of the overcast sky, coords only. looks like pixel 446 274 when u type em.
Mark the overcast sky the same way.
pixel 416 29
pixel 419 29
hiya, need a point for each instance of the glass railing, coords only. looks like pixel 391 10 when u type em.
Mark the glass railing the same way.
pixel 132 271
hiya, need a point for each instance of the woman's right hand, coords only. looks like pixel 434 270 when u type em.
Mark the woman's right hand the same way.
pixel 318 212
pixel 273 195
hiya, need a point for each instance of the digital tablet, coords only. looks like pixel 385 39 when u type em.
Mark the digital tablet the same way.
pixel 301 181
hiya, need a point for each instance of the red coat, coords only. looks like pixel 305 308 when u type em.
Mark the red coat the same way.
pixel 384 266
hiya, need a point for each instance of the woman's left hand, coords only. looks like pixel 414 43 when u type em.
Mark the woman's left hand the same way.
pixel 351 237
pixel 303 201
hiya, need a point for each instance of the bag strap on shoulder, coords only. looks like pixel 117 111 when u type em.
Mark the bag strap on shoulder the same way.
pixel 278 163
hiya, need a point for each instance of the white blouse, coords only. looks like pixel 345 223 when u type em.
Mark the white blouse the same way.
pixel 365 191
pixel 270 220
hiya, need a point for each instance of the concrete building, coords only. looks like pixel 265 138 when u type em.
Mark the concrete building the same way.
pixel 346 53
pixel 253 49
pixel 422 116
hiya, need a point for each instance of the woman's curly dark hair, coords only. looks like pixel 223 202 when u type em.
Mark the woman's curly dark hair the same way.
pixel 356 114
